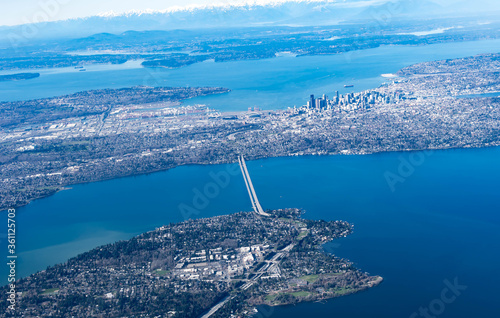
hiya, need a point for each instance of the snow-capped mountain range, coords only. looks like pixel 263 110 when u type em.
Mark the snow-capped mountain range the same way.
pixel 228 14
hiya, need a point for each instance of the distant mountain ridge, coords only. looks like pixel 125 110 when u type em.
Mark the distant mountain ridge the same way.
pixel 289 13
pixel 408 8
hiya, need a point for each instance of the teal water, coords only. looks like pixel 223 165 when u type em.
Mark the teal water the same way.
pixel 269 83
pixel 443 222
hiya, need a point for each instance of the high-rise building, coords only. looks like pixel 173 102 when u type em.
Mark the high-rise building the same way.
pixel 311 101
pixel 318 103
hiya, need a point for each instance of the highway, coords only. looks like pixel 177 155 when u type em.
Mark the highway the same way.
pixel 273 262
pixel 251 191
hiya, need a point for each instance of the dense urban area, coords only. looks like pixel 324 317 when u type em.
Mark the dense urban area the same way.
pixel 49 144
pixel 214 261
pixel 219 266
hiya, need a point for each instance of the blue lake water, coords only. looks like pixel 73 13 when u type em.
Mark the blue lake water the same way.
pixel 443 222
pixel 269 83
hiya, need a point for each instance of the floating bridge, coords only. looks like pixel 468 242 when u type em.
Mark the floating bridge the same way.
pixel 251 191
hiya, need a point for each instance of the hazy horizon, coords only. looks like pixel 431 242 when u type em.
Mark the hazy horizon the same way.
pixel 33 11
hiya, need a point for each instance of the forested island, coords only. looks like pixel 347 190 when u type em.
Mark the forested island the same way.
pixel 231 263
pixel 18 77
pixel 178 48
pixel 175 60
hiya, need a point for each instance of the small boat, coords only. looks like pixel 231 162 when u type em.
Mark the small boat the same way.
pixel 82 70
pixel 346 86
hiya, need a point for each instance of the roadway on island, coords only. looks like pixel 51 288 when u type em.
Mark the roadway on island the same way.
pixel 268 268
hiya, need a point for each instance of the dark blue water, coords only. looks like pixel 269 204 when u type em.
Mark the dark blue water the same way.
pixel 441 223
pixel 270 83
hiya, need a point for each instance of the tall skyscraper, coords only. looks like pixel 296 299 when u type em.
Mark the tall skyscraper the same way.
pixel 318 103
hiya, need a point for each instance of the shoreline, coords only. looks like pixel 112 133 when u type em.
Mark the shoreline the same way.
pixel 338 273
pixel 70 186
pixel 377 281
pixel 360 260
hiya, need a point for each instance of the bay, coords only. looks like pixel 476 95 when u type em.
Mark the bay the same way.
pixel 276 83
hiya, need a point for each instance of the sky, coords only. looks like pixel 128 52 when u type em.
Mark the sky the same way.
pixel 27 11
pixel 30 11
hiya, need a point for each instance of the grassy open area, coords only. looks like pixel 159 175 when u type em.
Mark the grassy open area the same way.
pixel 50 291
pixel 343 291
pixel 297 223
pixel 302 235
pixel 300 294
pixel 160 272
pixel 310 278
